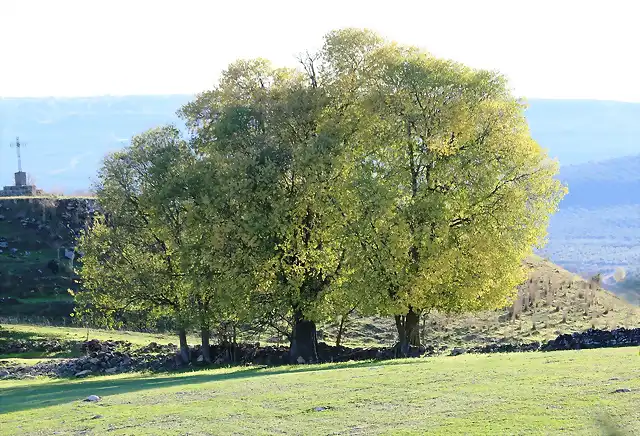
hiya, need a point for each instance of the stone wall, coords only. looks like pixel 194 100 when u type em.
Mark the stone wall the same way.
pixel 20 191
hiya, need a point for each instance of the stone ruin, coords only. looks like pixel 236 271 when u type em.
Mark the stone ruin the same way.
pixel 21 188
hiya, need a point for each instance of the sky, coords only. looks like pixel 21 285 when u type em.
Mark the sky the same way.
pixel 548 49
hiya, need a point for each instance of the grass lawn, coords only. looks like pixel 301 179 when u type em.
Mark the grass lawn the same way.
pixel 532 393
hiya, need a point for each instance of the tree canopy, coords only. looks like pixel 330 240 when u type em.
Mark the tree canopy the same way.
pixel 375 177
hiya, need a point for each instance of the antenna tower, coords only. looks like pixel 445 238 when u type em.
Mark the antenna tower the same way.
pixel 18 145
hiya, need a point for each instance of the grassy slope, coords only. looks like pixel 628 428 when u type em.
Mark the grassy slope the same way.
pixel 528 393
pixel 568 299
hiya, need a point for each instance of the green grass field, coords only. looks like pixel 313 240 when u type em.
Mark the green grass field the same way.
pixel 570 392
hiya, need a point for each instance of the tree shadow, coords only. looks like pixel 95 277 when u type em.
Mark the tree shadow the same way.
pixel 70 347
pixel 12 335
pixel 58 392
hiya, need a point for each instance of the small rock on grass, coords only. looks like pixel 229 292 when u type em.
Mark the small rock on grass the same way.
pixel 92 398
pixel 621 391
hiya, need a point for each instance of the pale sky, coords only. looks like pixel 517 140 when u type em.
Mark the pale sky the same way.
pixel 548 49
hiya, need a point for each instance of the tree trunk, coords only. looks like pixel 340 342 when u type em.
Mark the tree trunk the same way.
pixel 205 335
pixel 184 347
pixel 304 340
pixel 408 331
pixel 340 330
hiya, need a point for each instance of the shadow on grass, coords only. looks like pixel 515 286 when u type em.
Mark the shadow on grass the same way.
pixel 58 392
pixel 43 354
pixel 7 335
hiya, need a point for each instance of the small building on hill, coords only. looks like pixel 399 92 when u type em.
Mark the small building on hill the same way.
pixel 21 188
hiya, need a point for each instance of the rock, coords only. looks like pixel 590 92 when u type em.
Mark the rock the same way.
pixel 83 373
pixel 94 360
pixel 621 391
pixel 320 409
pixel 92 398
pixel 594 338
pixel 96 417
pixel 457 351
pixel 301 360
pixel 110 370
pixel 4 373
pixel 200 358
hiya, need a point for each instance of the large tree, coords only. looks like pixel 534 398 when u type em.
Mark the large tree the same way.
pixel 376 176
pixel 454 192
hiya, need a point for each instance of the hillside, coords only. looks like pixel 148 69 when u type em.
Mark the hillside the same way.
pixel 36 250
pixel 603 184
pixel 554 301
pixel 598 226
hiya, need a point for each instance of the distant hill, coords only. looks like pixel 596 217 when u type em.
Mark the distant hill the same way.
pixel 608 183
pixel 598 226
pixel 67 137
pixel 581 131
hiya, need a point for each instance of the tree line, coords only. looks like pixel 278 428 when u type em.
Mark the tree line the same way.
pixel 374 178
